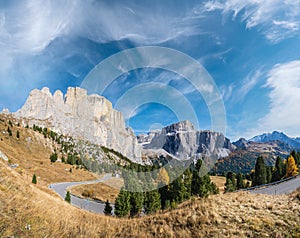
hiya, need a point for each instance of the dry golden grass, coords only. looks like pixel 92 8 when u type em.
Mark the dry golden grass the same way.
pixel 32 152
pixel 101 191
pixel 225 215
pixel 219 181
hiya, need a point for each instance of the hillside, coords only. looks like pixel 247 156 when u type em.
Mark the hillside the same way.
pixel 31 153
pixel 243 159
pixel 229 215
pixel 23 203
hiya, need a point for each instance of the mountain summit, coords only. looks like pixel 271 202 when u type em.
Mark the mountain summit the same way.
pixel 277 136
pixel 183 141
pixel 84 117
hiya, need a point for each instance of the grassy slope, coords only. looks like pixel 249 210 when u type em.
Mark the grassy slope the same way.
pixel 229 215
pixel 101 191
pixel 32 151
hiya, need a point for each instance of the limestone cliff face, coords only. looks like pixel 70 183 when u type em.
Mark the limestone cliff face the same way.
pixel 184 142
pixel 82 116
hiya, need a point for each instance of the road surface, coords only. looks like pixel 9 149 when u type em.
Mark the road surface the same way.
pixel 83 203
pixel 281 188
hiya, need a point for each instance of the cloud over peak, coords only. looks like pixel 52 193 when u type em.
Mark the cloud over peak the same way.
pixel 284 112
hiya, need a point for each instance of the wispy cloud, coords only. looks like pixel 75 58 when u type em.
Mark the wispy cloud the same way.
pixel 236 92
pixel 248 84
pixel 276 19
pixel 284 109
pixel 29 29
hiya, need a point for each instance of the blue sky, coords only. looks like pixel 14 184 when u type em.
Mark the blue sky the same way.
pixel 250 48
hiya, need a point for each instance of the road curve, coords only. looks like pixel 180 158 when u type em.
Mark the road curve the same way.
pixel 87 204
pixel 280 188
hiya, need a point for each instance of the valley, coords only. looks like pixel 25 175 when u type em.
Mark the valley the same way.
pixel 86 168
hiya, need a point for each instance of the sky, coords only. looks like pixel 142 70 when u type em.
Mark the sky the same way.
pixel 250 48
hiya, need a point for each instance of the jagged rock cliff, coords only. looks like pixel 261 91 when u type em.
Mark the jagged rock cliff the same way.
pixel 184 142
pixel 82 116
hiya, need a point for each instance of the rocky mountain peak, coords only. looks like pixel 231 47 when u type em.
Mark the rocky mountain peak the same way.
pixel 182 126
pixel 183 141
pixel 82 116
pixel 242 143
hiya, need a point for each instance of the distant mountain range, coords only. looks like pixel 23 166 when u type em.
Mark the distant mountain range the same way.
pixel 268 145
pixel 277 136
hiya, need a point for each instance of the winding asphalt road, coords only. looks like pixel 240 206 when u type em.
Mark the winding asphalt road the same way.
pixel 87 204
pixel 281 188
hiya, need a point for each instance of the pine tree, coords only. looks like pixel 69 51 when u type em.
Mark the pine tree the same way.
pixel 291 168
pixel 9 131
pixel 240 181
pixel 53 157
pixel 260 174
pixel 187 180
pixel 178 190
pixel 269 173
pixel 164 194
pixel 230 184
pixel 18 134
pixel 136 203
pixel 279 170
pixel 107 208
pixel 201 184
pixel 122 204
pixel 229 187
pixel 34 180
pixel 68 197
pixel 152 202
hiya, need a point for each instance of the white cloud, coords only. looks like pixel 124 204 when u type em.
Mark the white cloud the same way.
pixel 284 113
pixel 248 84
pixel 276 19
pixel 226 92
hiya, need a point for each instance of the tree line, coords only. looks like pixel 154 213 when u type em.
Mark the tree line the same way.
pixel 133 200
pixel 263 174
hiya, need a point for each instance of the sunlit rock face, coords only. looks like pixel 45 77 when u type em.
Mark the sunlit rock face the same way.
pixel 184 141
pixel 82 116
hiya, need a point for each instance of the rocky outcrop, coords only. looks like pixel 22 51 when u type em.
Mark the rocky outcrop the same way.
pixel 82 116
pixel 242 143
pixel 184 142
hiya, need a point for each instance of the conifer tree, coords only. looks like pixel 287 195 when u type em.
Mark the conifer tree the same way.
pixel 187 180
pixel 178 190
pixel 260 174
pixel 232 177
pixel 108 208
pixel 269 173
pixel 291 167
pixel 18 134
pixel 164 194
pixel 201 184
pixel 53 157
pixel 34 180
pixel 279 170
pixel 122 204
pixel 240 181
pixel 9 131
pixel 68 197
pixel 152 202
pixel 229 187
pixel 136 203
